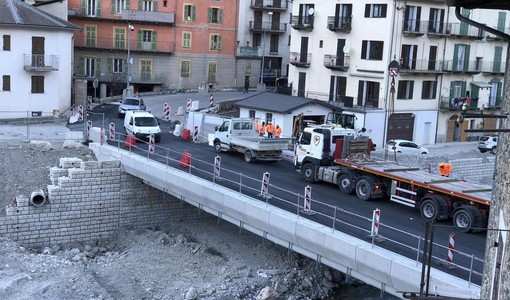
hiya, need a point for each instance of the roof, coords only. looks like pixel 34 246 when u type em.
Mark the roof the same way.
pixel 281 103
pixel 20 14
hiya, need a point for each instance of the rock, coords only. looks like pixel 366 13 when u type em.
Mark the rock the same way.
pixel 40 145
pixel 191 294
pixel 268 293
pixel 71 144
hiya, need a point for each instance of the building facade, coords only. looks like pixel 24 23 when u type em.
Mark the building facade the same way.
pixel 36 48
pixel 342 52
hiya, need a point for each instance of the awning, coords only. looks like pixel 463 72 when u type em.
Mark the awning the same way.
pixel 481 85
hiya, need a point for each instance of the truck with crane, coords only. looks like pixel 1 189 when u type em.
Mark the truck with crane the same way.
pixel 335 154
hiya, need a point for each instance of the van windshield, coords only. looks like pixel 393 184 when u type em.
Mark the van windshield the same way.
pixel 130 101
pixel 146 121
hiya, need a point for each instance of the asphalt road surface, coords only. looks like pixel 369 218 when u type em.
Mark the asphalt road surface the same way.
pixel 345 212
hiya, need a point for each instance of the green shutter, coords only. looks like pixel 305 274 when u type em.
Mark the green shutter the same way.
pixel 154 41
pixel 82 66
pixel 462 89
pixel 109 65
pixel 455 57
pixel 219 42
pixel 501 21
pixel 498 51
pixel 155 5
pixel 128 4
pixel 140 4
pixel 98 10
pixel 466 58
pixel 83 7
pixel 475 91
pixel 125 65
pixel 113 7
pixel 140 36
pixel 452 89
pixel 193 12
pixel 98 68
pixel 209 14
pixel 220 15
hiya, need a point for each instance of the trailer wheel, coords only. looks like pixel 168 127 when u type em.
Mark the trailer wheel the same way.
pixel 465 218
pixel 364 188
pixel 346 183
pixel 248 156
pixel 308 172
pixel 429 210
pixel 217 146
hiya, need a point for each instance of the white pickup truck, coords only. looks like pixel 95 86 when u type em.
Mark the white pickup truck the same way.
pixel 238 134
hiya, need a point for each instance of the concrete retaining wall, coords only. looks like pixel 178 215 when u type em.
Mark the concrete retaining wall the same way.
pixel 88 201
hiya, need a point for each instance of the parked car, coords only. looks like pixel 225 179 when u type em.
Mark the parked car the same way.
pixel 142 124
pixel 130 103
pixel 488 143
pixel 406 147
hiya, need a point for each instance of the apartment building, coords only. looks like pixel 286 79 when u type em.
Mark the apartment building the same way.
pixel 342 51
pixel 161 44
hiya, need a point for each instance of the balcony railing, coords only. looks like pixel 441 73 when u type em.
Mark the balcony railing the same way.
pixel 453 103
pixel 414 27
pixel 464 30
pixel 436 28
pixel 268 26
pixel 121 77
pixel 41 62
pixel 493 67
pixel 420 66
pixel 367 102
pixel 340 23
pixel 299 60
pixel 269 4
pixel 302 22
pixel 335 62
pixel 471 67
pixel 162 45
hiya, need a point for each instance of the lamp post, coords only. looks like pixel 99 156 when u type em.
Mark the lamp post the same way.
pixel 203 84
pixel 262 87
pixel 128 77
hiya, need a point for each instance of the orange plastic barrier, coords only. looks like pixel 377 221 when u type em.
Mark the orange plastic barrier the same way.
pixel 186 160
pixel 445 169
pixel 185 135
pixel 130 141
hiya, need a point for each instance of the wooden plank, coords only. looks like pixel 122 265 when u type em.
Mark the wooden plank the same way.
pixel 477 190
pixel 401 169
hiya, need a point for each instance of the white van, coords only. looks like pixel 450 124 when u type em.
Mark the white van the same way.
pixel 142 124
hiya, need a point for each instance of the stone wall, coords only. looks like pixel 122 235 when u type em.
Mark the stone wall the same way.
pixel 88 201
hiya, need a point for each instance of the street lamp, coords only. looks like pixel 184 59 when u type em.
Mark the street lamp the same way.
pixel 128 77
pixel 264 51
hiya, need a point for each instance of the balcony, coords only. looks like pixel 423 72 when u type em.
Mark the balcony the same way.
pixel 302 22
pixel 420 66
pixel 340 24
pixel 462 30
pixel 273 5
pixel 466 67
pixel 40 62
pixel 335 62
pixel 493 67
pixel 271 27
pixel 437 29
pixel 452 103
pixel 247 51
pixel 148 17
pixel 367 102
pixel 299 60
pixel 414 28
pixel 113 45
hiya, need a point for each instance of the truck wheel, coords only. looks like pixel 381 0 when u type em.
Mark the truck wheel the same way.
pixel 346 183
pixel 308 172
pixel 248 156
pixel 493 150
pixel 464 218
pixel 364 188
pixel 217 146
pixel 429 210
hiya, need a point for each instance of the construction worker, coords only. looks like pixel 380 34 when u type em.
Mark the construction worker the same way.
pixel 262 129
pixel 270 130
pixel 257 125
pixel 277 132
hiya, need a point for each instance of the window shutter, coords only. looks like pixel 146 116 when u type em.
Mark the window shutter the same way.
pixel 83 7
pixel 124 65
pixel 220 15
pixel 140 4
pixel 466 58
pixel 462 88
pixel 400 91
pixel 418 15
pixel 128 3
pixel 452 89
pixel 154 40
pixel 113 8
pixel 98 68
pixel 82 66
pixel 360 92
pixel 219 42
pixel 140 36
pixel 332 86
pixel 364 49
pixel 98 8
pixel 109 65
pixel 501 21
pixel 209 10
pixel 411 89
pixel 154 5
pixel 193 13
pixel 367 10
pixel 383 12
pixel 455 57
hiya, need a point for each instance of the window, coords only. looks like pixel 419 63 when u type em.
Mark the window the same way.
pixel 90 67
pixel 37 84
pixel 251 114
pixel 372 50
pixel 147 40
pixel 368 93
pixel 215 42
pixel 146 69
pixel 306 138
pixel 6 83
pixel 211 72
pixel 148 5
pixel 429 90
pixel 185 68
pixel 119 5
pixel 189 12
pixel 7 42
pixel 269 118
pixel 461 57
pixel 257 39
pixel 119 38
pixel 375 10
pixel 90 36
pixel 412 16
pixel 436 20
pixel 186 40
pixel 118 65
pixel 405 89
pixel 408 57
pixel 273 45
pixel 91 7
pixel 305 18
pixel 215 15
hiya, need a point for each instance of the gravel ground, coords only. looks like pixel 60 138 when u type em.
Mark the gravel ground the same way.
pixel 205 259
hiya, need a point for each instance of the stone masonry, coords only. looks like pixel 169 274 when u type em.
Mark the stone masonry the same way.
pixel 87 201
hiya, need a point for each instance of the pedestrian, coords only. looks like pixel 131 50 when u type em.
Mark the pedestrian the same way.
pixel 262 129
pixel 277 132
pixel 269 130
pixel 246 84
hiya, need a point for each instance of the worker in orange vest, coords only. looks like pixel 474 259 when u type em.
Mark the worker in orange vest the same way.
pixel 277 132
pixel 270 130
pixel 257 125
pixel 262 129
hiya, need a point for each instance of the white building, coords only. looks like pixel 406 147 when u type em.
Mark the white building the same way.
pixel 36 54
pixel 342 52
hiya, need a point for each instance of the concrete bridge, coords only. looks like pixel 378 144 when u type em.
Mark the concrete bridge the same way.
pixel 383 269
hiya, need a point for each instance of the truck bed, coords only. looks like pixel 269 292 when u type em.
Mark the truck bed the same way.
pixel 259 143
pixel 455 187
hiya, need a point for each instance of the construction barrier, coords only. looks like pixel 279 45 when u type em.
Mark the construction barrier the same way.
pixel 264 189
pixel 89 103
pixel 195 134
pixel 188 105
pixel 451 248
pixel 217 166
pixel 166 112
pixel 112 131
pixel 445 169
pixel 186 160
pixel 130 141
pixel 376 217
pixel 185 134
pixel 211 100
pixel 89 126
pixel 307 206
pixel 151 143
pixel 80 113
